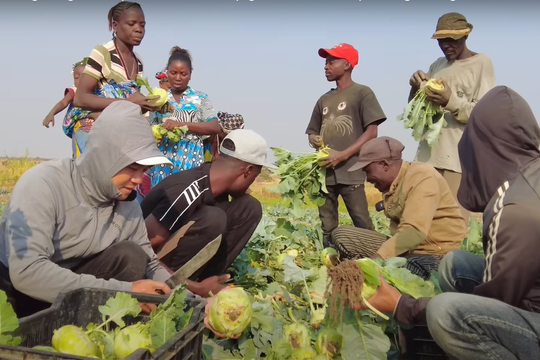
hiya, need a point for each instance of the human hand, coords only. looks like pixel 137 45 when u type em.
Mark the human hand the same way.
pixel 213 284
pixel 48 120
pixel 147 308
pixel 333 159
pixel 315 141
pixel 209 302
pixel 385 298
pixel 440 97
pixel 150 287
pixel 145 101
pixel 170 124
pixel 417 78
pixel 94 115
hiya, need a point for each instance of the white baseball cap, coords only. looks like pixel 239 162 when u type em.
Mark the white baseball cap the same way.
pixel 248 146
pixel 154 160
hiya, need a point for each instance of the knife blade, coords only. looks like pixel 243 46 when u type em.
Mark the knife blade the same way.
pixel 181 275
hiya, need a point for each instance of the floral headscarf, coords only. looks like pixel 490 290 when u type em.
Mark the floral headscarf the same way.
pixel 161 75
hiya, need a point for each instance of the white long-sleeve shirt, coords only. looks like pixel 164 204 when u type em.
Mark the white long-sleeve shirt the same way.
pixel 469 80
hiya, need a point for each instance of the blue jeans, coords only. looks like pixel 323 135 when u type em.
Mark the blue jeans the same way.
pixel 460 271
pixel 469 327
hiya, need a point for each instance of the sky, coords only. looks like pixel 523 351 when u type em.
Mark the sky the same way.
pixel 257 58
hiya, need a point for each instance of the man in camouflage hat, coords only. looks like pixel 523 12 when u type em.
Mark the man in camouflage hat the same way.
pixel 466 77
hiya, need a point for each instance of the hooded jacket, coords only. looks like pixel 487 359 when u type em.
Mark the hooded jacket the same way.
pixel 64 211
pixel 500 159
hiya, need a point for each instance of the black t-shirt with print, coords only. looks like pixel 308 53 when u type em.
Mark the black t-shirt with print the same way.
pixel 178 196
pixel 341 117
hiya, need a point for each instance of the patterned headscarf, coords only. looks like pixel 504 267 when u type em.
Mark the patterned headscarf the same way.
pixel 230 122
pixel 161 74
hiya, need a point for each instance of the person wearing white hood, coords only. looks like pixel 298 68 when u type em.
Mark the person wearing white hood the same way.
pixel 71 224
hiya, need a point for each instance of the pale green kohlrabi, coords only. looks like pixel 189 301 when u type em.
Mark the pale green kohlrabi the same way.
pixel 131 338
pixel 297 335
pixel 230 312
pixel 72 340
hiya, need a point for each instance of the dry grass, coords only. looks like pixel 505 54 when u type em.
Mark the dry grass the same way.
pixel 262 190
pixel 11 169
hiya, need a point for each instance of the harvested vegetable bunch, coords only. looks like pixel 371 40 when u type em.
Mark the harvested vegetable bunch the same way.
pixel 424 116
pixel 113 339
pixel 300 175
pixel 163 96
pixel 174 135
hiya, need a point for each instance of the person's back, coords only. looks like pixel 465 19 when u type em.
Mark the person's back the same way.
pixel 518 200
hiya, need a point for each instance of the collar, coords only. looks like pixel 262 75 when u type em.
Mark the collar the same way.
pixel 189 91
pixel 401 174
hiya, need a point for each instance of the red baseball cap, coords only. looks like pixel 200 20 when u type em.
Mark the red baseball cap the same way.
pixel 341 51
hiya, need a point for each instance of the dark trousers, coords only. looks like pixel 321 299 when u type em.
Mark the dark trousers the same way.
pixel 123 261
pixel 234 220
pixel 354 197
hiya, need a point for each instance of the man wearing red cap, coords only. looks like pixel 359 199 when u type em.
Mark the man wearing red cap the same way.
pixel 344 119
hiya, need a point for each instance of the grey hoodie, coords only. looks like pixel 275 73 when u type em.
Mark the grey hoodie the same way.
pixel 64 211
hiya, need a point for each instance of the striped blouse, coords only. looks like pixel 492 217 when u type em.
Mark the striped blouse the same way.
pixel 104 64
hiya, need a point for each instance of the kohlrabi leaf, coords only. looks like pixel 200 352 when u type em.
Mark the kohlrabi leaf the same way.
pixel 118 307
pixel 8 322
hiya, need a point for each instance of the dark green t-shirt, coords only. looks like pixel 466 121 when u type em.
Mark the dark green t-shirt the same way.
pixel 340 117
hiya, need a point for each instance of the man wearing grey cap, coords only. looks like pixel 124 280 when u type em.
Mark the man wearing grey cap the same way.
pixel 425 219
pixel 189 210
pixel 71 224
pixel 467 76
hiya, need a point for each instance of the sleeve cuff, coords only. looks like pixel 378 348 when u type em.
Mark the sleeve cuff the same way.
pixel 453 103
pixel 385 252
pixel 161 274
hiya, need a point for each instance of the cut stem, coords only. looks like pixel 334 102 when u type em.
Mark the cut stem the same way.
pixel 374 310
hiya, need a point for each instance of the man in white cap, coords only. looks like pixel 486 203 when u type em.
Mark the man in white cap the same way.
pixel 188 210
pixel 72 224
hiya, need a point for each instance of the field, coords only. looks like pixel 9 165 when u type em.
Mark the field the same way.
pixel 282 271
pixel 12 168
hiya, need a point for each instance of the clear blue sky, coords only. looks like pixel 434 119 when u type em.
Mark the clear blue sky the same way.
pixel 257 58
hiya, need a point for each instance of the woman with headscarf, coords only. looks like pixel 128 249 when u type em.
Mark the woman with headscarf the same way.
pixel 111 72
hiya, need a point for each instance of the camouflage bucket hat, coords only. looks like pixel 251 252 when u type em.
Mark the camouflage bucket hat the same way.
pixel 453 26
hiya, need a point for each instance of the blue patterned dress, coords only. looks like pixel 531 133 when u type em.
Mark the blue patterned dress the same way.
pixel 188 153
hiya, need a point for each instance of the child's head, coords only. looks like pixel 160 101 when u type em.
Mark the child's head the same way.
pixel 77 71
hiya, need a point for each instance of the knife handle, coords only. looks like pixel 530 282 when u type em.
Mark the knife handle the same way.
pixel 170 284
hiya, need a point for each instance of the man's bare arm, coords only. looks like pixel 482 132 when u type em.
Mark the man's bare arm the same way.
pixel 157 233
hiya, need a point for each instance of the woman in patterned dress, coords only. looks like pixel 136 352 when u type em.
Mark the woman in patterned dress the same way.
pixel 110 73
pixel 190 108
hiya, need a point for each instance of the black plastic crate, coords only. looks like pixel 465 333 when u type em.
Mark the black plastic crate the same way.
pixel 80 307
pixel 421 346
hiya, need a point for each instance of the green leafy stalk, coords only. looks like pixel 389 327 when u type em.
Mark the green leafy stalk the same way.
pixel 115 309
pixel 8 322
